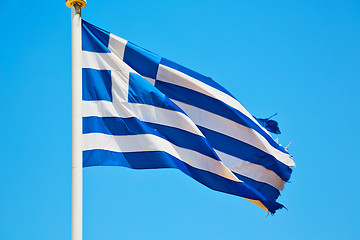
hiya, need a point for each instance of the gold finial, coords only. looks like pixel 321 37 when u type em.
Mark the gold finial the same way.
pixel 81 3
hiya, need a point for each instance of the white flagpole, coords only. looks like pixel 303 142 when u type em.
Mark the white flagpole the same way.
pixel 77 171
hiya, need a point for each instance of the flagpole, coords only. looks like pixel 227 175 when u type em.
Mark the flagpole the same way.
pixel 77 178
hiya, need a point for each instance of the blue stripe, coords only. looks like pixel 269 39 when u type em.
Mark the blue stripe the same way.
pixel 117 126
pixel 94 39
pixel 207 80
pixel 146 160
pixel 141 60
pixel 267 190
pixel 212 105
pixel 185 139
pixel 100 157
pixel 141 91
pixel 96 85
pixel 246 152
pixel 132 126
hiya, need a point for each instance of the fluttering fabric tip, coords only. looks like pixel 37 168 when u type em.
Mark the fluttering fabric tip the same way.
pixel 270 125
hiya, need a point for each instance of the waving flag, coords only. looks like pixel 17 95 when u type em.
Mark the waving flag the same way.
pixel 141 111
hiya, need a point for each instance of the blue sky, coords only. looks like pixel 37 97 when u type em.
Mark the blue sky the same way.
pixel 299 59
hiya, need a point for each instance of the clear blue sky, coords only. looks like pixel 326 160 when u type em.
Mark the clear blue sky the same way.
pixel 297 58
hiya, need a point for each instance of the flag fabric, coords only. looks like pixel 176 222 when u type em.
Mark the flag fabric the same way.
pixel 143 111
pixel 270 125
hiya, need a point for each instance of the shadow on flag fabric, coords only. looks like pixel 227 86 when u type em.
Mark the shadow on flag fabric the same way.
pixel 143 111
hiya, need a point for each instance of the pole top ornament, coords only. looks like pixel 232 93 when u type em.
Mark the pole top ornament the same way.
pixel 81 3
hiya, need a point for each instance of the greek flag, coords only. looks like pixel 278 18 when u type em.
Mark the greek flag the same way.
pixel 144 111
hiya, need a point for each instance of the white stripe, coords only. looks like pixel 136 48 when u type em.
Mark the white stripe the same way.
pixel 232 129
pixel 148 142
pixel 105 61
pixel 120 86
pixel 176 77
pixel 251 170
pixel 143 112
pixel 117 45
